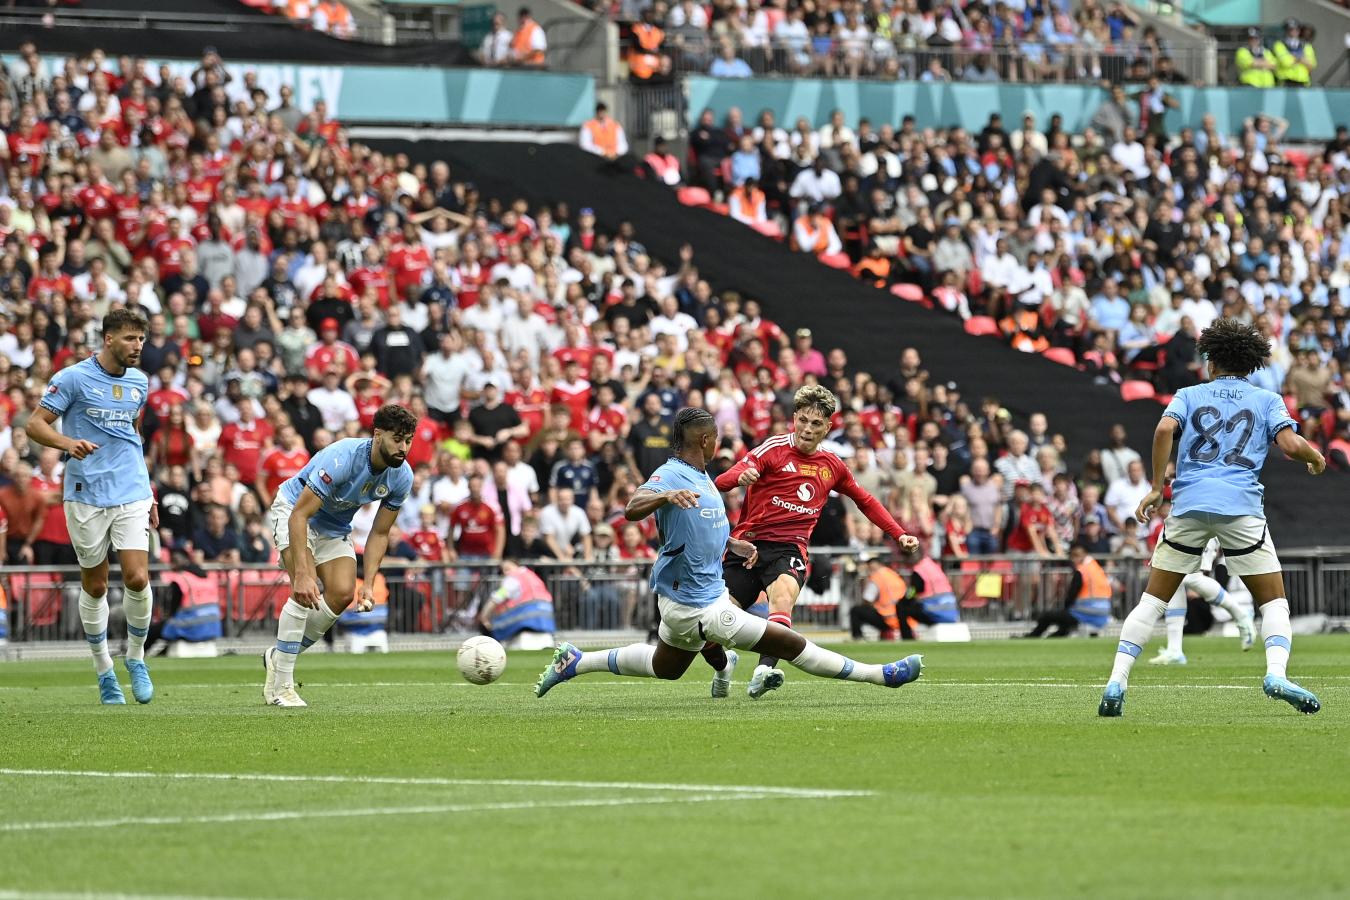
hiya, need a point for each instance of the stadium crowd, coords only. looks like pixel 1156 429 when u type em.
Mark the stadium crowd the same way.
pixel 1024 42
pixel 1110 249
pixel 294 281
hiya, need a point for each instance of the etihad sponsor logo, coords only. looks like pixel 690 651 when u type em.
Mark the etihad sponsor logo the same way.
pixel 793 507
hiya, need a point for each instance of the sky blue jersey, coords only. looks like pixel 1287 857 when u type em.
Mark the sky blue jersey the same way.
pixel 342 477
pixel 1227 426
pixel 689 567
pixel 102 408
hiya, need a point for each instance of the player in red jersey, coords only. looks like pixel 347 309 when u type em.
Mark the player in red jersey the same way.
pixel 787 480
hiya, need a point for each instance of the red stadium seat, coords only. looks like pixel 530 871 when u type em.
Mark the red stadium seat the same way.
pixel 911 292
pixel 1062 355
pixel 982 326
pixel 720 208
pixel 1164 399
pixel 1137 390
pixel 769 229
pixel 835 260
pixel 693 196
pixel 1292 405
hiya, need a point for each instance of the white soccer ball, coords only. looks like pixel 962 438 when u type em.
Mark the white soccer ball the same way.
pixel 481 660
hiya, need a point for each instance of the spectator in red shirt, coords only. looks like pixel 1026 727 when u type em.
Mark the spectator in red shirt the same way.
pixel 168 250
pixel 215 320
pixel 426 540
pixel 330 352
pixel 1035 532
pixel 242 444
pixel 51 546
pixel 574 392
pixel 426 435
pixel 480 531
pixel 283 461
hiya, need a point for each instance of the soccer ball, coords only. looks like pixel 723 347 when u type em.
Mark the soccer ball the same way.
pixel 481 660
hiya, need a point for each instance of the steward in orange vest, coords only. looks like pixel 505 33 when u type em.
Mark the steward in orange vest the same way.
pixel 663 164
pixel 1087 599
pixel 603 135
pixel 529 43
pixel 747 203
pixel 194 598
pixel 644 53
pixel 892 603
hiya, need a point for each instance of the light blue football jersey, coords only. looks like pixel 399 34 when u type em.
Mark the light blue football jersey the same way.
pixel 689 567
pixel 102 408
pixel 1227 425
pixel 342 477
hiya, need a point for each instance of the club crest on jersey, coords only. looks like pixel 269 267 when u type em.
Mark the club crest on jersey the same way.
pixel 117 392
pixel 136 395
pixel 381 491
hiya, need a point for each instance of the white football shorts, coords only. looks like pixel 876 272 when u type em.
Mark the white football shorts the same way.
pixel 1246 543
pixel 96 529
pixel 722 622
pixel 324 547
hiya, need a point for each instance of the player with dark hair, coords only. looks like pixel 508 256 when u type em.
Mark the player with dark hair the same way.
pixel 787 480
pixel 109 503
pixel 691 594
pixel 311 521
pixel 1225 427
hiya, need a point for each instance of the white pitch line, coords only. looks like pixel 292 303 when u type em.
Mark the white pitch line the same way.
pixel 732 789
pixel 12 894
pixel 645 683
pixel 441 809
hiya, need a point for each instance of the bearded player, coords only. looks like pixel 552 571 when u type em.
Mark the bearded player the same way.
pixel 787 480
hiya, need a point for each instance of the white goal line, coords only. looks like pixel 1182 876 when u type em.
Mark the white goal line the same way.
pixel 735 790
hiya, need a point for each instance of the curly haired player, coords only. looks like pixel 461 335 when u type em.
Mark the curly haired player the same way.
pixel 787 480
pixel 1225 427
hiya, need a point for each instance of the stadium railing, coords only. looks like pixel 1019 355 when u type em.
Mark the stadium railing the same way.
pixel 434 599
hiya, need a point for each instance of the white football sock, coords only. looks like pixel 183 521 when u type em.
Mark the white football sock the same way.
pixel 290 632
pixel 819 661
pixel 94 617
pixel 317 623
pixel 1277 635
pixel 634 660
pixel 137 607
pixel 1176 620
pixel 1134 635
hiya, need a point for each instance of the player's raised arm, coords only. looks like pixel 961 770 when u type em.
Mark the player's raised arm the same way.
pixel 304 580
pixel 743 474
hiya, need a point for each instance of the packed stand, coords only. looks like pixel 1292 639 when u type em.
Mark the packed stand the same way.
pixel 948 41
pixel 1108 250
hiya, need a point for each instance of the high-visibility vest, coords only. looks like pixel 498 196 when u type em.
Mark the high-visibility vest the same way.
pixel 666 168
pixel 300 10
pixel 375 619
pixel 750 204
pixel 1093 605
pixel 822 235
pixel 338 16
pixel 644 60
pixel 1291 68
pixel 605 135
pixel 1252 77
pixel 4 614
pixel 938 598
pixel 531 610
pixel 890 591
pixel 522 43
pixel 198 618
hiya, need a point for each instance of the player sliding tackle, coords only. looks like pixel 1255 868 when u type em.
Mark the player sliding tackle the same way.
pixel 311 521
pixel 787 480
pixel 1226 426
pixel 690 592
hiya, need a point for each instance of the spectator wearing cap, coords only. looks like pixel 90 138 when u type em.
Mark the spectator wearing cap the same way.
pixel 331 354
pixel 1255 64
pixel 1295 58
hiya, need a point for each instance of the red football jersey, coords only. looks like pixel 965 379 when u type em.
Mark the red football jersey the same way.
pixel 428 545
pixel 244 448
pixel 280 465
pixel 477 526
pixel 784 505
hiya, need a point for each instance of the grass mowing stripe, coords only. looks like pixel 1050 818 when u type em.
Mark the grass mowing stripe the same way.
pixel 733 789
pixel 437 809
pixel 13 894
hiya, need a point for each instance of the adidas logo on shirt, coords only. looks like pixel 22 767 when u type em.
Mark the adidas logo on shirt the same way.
pixel 790 467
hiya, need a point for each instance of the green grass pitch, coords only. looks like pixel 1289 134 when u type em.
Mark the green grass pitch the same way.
pixel 991 777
